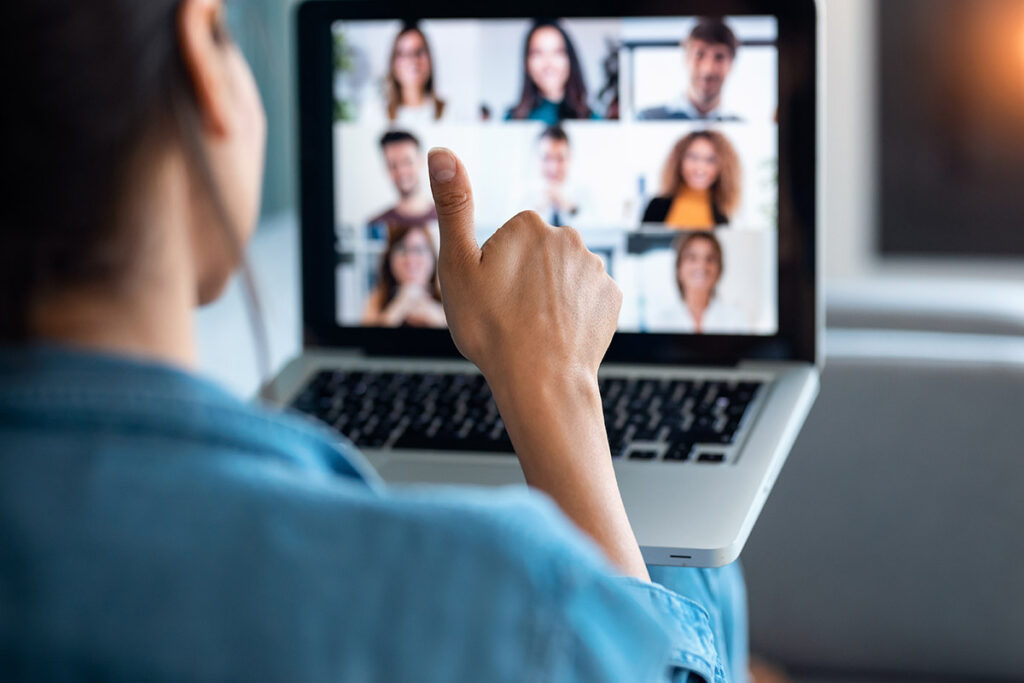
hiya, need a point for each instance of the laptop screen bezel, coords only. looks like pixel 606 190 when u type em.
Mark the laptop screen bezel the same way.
pixel 796 339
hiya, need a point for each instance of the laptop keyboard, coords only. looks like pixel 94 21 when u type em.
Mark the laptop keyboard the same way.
pixel 646 419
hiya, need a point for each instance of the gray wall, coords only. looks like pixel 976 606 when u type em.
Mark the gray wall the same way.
pixel 263 29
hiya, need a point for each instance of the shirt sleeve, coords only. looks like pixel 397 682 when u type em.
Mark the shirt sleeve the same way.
pixel 626 629
pixel 591 625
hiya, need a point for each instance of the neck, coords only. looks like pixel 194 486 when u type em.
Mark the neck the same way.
pixel 556 97
pixel 412 96
pixel 150 313
pixel 704 106
pixel 413 203
pixel 698 302
pixel 121 325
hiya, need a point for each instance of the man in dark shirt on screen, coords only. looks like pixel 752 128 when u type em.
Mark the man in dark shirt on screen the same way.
pixel 403 156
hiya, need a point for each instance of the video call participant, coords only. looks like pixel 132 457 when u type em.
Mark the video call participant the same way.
pixel 709 53
pixel 698 309
pixel 407 292
pixel 554 198
pixel 553 86
pixel 701 184
pixel 403 156
pixel 410 95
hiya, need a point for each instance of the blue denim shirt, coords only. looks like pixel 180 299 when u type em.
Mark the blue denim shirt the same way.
pixel 153 527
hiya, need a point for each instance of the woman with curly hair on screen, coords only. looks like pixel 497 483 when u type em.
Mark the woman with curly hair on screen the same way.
pixel 701 184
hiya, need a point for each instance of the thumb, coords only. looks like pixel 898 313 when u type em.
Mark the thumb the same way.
pixel 453 198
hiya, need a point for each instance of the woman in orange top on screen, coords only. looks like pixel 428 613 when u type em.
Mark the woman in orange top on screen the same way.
pixel 407 294
pixel 700 184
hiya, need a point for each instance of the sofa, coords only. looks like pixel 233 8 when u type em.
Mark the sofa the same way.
pixel 889 549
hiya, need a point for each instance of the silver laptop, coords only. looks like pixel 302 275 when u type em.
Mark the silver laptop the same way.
pixel 681 146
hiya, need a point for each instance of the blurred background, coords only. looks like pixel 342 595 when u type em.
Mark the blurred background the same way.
pixel 891 546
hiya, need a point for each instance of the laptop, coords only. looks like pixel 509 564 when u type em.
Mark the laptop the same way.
pixel 680 139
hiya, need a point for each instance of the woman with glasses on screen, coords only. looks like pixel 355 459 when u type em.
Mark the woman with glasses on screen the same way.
pixel 410 97
pixel 156 528
pixel 701 184
pixel 407 293
pixel 553 87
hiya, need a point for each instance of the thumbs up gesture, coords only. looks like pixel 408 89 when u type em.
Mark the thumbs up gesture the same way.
pixel 536 312
pixel 532 301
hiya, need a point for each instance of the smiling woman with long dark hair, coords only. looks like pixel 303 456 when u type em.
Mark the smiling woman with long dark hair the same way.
pixel 553 86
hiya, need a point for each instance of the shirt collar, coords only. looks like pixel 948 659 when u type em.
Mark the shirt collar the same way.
pixel 684 105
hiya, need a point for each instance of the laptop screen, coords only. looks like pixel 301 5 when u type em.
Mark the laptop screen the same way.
pixel 656 138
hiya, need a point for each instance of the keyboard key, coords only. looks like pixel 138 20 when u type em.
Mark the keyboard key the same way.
pixel 711 458
pixel 679 452
pixel 643 454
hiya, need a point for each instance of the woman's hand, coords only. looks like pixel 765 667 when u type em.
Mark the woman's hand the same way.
pixel 427 312
pixel 395 313
pixel 536 311
pixel 533 301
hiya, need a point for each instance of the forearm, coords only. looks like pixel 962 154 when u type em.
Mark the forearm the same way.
pixel 557 429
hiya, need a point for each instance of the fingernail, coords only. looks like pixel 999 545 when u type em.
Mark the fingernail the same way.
pixel 441 163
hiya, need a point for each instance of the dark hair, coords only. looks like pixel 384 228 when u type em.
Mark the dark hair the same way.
pixel 574 106
pixel 99 88
pixel 714 31
pixel 555 134
pixel 388 283
pixel 394 89
pixel 395 136
pixel 683 243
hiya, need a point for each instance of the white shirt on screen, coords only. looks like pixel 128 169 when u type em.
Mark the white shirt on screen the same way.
pixel 579 213
pixel 672 315
pixel 416 118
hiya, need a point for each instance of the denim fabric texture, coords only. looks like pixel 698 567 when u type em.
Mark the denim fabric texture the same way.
pixel 153 527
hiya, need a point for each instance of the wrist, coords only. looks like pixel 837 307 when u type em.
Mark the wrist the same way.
pixel 557 428
pixel 567 395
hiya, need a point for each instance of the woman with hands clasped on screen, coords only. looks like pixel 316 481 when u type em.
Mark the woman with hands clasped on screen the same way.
pixel 175 518
pixel 407 292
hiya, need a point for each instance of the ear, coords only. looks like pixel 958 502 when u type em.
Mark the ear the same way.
pixel 200 37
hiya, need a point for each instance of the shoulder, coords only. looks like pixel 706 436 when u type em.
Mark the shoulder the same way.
pixel 720 217
pixel 727 317
pixel 374 304
pixel 483 584
pixel 383 217
pixel 657 210
pixel 664 112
